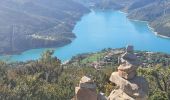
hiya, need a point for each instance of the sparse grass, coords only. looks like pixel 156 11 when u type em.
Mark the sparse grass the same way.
pixel 93 57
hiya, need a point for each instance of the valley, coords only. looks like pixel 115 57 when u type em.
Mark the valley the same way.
pixel 98 30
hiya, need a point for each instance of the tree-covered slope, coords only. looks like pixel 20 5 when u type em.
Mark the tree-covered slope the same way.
pixel 27 24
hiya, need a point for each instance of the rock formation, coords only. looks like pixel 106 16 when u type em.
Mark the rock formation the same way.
pixel 130 86
pixel 86 89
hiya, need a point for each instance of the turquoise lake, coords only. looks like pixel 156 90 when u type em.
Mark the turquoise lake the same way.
pixel 103 29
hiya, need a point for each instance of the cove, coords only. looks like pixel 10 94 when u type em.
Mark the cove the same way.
pixel 103 29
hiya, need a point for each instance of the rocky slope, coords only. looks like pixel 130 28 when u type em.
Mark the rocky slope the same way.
pixel 27 24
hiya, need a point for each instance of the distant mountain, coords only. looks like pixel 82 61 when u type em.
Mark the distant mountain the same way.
pixel 27 24
pixel 156 12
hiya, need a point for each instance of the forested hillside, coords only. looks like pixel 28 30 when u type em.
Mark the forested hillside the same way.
pixel 28 24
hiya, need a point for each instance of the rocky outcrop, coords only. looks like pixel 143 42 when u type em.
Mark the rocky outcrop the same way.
pixel 130 86
pixel 87 90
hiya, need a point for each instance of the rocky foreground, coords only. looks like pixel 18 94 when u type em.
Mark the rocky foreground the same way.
pixel 129 85
pixel 111 73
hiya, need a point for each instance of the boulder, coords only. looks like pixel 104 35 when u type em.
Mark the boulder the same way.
pixel 127 71
pixel 125 75
pixel 119 95
pixel 87 82
pixel 127 68
pixel 135 88
pixel 85 94
pixel 86 89
pixel 130 86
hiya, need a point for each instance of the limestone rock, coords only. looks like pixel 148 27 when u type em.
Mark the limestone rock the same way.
pixel 125 75
pixel 119 95
pixel 127 68
pixel 135 88
pixel 130 86
pixel 85 94
pixel 128 58
pixel 86 89
pixel 127 71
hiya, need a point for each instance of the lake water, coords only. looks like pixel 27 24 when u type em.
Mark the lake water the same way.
pixel 98 30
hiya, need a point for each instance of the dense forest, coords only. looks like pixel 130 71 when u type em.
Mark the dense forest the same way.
pixel 49 79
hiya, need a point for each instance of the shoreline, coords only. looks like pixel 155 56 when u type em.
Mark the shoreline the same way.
pixel 71 39
pixel 156 33
pixel 150 28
